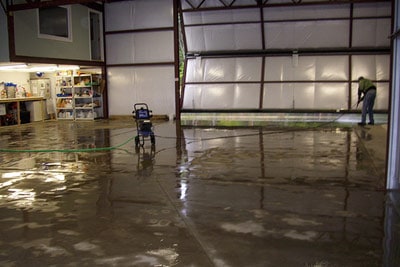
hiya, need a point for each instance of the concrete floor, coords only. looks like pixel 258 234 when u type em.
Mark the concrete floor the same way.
pixel 80 194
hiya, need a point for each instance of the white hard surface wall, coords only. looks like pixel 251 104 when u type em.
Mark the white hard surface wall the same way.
pixel 223 69
pixel 222 96
pixel 140 47
pixel 151 85
pixel 138 14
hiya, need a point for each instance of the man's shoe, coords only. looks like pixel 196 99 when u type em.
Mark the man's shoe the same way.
pixel 361 123
pixel 371 123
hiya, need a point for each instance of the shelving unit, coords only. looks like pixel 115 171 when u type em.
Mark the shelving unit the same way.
pixel 64 101
pixel 79 97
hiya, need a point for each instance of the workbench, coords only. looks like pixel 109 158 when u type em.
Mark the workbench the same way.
pixel 18 102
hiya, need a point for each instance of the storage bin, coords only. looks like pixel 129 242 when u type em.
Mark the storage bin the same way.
pixel 11 90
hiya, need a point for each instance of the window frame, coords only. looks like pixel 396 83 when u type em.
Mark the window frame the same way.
pixel 56 37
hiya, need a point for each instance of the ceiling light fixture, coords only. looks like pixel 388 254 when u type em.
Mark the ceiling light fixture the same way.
pixel 22 67
pixel 13 66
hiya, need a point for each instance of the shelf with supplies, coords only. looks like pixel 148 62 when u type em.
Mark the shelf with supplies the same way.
pixel 19 106
pixel 79 97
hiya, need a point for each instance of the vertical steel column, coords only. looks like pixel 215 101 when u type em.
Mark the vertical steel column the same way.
pixel 349 102
pixel 184 43
pixel 393 162
pixel 176 61
pixel 11 33
pixel 260 105
pixel 104 70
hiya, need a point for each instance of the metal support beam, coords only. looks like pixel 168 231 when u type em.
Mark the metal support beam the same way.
pixel 393 162
pixel 266 3
pixel 176 61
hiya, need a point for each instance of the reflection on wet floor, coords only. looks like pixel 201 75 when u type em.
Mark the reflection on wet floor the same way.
pixel 257 196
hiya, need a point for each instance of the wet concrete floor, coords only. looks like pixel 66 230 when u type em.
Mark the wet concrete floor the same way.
pixel 81 194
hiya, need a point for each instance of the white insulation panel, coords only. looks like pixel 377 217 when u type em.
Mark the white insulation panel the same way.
pixel 291 82
pixel 373 67
pixel 223 37
pixel 306 68
pixel 306 12
pixel 332 94
pixel 372 9
pixel 144 47
pixel 223 69
pixel 371 32
pixel 151 85
pixel 305 96
pixel 221 96
pixel 138 14
pixel 222 16
pixel 278 96
pixel 310 34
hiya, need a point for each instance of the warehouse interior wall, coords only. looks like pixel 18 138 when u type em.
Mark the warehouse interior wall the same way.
pixel 28 44
pixel 282 56
pixel 301 82
pixel 140 55
pixel 243 55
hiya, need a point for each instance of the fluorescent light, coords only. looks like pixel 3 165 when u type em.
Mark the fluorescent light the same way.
pixel 22 67
pixel 33 68
pixel 50 68
pixel 13 66
pixel 67 67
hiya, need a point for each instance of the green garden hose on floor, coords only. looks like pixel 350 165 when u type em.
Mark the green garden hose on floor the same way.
pixel 80 150
pixel 76 150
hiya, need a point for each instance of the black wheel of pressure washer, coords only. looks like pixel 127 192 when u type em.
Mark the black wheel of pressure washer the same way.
pixel 153 139
pixel 137 140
